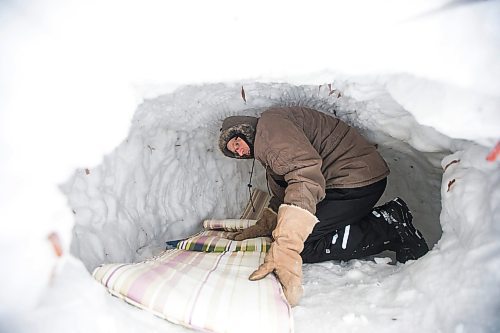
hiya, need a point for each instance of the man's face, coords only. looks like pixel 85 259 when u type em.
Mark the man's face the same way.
pixel 238 146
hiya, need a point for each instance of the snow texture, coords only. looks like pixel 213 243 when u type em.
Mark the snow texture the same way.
pixel 110 113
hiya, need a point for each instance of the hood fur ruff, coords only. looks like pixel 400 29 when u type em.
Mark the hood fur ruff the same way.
pixel 242 126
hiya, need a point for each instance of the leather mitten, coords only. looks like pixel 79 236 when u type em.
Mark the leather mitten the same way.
pixel 294 224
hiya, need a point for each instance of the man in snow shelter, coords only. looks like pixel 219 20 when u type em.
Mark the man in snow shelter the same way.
pixel 325 180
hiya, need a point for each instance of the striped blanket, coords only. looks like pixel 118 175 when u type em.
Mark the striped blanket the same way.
pixel 216 241
pixel 204 283
pixel 255 206
pixel 205 291
pixel 228 224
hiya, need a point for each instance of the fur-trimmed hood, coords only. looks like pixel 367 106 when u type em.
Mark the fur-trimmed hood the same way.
pixel 241 126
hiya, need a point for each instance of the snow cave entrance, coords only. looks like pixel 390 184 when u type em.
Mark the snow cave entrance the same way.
pixel 167 176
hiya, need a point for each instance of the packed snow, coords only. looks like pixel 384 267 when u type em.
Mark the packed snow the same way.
pixel 109 124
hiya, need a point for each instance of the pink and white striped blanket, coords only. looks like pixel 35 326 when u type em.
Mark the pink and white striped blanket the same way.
pixel 207 289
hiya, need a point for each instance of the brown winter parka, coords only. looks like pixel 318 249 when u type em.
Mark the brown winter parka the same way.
pixel 306 152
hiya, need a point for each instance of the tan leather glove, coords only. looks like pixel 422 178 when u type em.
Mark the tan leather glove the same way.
pixel 264 227
pixel 293 227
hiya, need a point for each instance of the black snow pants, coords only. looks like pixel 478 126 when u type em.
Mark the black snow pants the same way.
pixel 347 229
